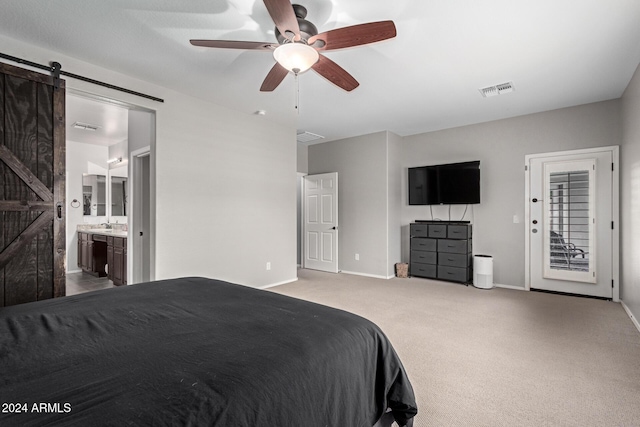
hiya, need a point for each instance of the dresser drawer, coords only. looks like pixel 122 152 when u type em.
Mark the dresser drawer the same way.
pixel 455 274
pixel 424 270
pixel 453 260
pixel 437 230
pixel 423 244
pixel 424 257
pixel 458 232
pixel 419 230
pixel 453 246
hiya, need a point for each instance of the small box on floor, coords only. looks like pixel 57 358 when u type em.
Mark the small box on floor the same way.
pixel 402 269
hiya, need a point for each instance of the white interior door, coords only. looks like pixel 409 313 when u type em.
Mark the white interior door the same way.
pixel 571 205
pixel 321 222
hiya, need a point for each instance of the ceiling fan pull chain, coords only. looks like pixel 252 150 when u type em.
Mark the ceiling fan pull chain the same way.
pixel 297 94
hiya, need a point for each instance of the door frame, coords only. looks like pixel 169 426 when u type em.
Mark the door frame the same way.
pixel 300 225
pixel 134 245
pixel 132 260
pixel 615 211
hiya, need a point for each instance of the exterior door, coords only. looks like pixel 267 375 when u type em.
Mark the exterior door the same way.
pixel 32 186
pixel 571 235
pixel 321 222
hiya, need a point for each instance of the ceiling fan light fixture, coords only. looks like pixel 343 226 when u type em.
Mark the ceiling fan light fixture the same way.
pixel 296 57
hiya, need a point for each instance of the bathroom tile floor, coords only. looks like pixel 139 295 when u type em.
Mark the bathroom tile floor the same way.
pixel 80 282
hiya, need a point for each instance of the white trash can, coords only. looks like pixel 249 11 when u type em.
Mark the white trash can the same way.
pixel 483 271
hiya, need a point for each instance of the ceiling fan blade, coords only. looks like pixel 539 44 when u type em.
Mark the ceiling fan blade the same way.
pixel 335 74
pixel 282 13
pixel 274 78
pixel 231 44
pixel 354 35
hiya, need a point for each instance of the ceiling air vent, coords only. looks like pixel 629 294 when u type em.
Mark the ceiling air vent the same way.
pixel 497 89
pixel 306 137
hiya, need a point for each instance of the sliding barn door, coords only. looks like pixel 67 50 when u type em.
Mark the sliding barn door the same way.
pixel 32 186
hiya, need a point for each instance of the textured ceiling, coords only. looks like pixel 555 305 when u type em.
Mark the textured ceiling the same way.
pixel 111 120
pixel 557 53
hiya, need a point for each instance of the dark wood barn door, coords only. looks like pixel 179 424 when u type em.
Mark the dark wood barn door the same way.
pixel 32 186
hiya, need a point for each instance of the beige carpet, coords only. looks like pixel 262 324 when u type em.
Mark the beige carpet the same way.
pixel 497 357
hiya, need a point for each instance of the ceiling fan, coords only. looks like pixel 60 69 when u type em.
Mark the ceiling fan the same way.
pixel 299 45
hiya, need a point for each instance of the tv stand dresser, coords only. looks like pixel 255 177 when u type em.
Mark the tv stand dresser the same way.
pixel 441 250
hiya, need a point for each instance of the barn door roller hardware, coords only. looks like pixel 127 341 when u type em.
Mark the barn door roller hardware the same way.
pixel 56 71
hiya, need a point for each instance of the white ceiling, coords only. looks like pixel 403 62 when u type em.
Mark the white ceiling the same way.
pixel 111 120
pixel 557 53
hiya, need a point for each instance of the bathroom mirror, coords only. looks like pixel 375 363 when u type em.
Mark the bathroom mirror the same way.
pixel 118 196
pixel 94 194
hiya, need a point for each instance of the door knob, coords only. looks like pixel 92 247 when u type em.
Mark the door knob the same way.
pixel 535 230
pixel 535 221
pixel 534 200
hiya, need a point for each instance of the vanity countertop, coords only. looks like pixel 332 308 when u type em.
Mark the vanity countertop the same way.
pixel 105 232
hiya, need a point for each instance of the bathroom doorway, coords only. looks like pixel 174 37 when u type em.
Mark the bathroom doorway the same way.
pixel 102 135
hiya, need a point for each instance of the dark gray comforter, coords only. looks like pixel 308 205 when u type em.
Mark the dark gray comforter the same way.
pixel 195 351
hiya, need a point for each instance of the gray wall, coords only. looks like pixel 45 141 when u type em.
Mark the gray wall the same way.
pixel 225 194
pixel 630 197
pixel 394 201
pixel 361 163
pixel 141 130
pixel 501 146
pixel 302 153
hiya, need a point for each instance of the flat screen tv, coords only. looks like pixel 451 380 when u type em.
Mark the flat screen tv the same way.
pixel 449 184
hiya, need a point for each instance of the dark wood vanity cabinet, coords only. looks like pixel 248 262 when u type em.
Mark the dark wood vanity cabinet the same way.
pixel 117 259
pixel 102 256
pixel 92 253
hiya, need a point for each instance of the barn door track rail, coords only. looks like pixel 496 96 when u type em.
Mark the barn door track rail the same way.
pixel 56 71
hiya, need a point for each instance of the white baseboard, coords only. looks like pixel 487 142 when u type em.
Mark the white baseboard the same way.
pixel 272 285
pixel 375 276
pixel 631 316
pixel 517 288
pixel 73 271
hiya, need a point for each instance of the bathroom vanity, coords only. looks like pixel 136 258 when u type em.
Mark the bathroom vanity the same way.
pixel 103 252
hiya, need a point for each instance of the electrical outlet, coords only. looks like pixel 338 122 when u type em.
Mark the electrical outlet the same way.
pixel 268 266
pixel 357 257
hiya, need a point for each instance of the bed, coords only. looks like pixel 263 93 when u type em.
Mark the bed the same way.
pixel 196 351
